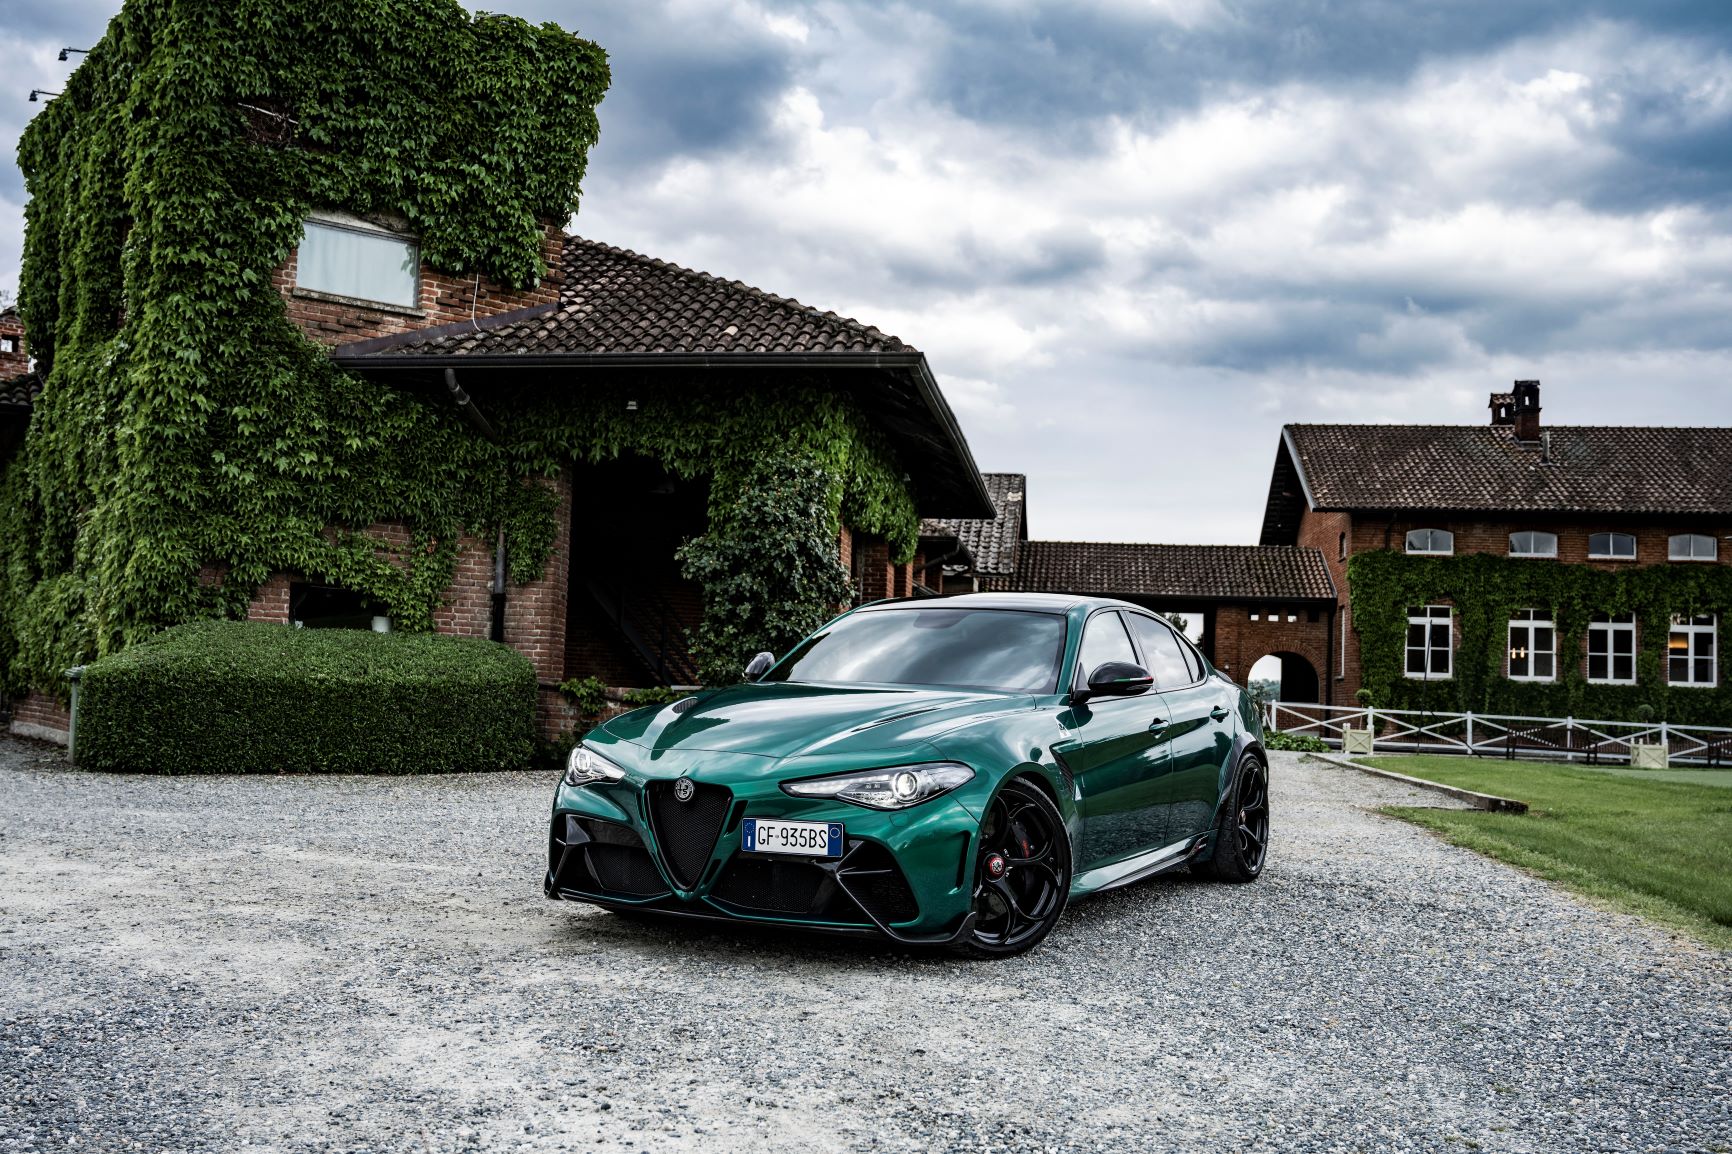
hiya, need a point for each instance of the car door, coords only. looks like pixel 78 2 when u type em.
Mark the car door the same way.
pixel 1115 748
pixel 1199 729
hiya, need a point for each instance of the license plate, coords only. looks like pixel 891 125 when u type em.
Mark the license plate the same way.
pixel 808 838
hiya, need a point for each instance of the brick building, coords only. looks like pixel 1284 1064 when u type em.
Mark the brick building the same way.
pixel 1608 498
pixel 611 602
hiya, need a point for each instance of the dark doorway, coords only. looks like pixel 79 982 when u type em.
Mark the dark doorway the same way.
pixel 632 612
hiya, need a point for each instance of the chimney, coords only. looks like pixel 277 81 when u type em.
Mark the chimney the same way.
pixel 1527 410
pixel 1502 409
pixel 14 360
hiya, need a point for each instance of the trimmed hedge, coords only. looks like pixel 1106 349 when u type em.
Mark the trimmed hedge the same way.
pixel 240 697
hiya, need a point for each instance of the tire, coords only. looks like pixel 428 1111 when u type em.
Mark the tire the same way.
pixel 1022 873
pixel 1242 833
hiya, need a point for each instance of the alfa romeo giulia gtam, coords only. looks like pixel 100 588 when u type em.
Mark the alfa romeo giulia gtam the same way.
pixel 944 771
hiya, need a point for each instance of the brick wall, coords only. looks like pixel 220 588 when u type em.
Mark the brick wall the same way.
pixel 16 362
pixel 41 716
pixel 445 298
pixel 1239 642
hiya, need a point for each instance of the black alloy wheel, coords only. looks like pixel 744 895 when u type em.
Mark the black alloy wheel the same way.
pixel 1021 873
pixel 1242 835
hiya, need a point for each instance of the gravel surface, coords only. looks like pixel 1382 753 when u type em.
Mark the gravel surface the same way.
pixel 368 965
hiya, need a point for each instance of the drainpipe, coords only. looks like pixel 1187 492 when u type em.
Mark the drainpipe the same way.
pixel 467 404
pixel 73 675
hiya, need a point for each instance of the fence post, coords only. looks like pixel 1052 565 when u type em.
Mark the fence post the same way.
pixel 1665 741
pixel 1470 747
pixel 1569 739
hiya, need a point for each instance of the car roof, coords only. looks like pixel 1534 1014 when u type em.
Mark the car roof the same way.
pixel 1036 602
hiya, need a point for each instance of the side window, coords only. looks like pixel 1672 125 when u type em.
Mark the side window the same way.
pixel 1166 656
pixel 1104 640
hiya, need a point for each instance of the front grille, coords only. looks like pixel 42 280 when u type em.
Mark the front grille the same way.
pixel 877 883
pixel 686 831
pixel 601 857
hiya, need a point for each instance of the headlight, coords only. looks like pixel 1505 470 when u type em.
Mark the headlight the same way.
pixel 895 788
pixel 585 765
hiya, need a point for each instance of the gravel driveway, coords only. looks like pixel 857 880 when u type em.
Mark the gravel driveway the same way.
pixel 369 965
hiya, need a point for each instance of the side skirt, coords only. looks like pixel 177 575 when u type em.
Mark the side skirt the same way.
pixel 1136 868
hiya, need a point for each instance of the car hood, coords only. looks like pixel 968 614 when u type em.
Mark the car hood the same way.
pixel 782 720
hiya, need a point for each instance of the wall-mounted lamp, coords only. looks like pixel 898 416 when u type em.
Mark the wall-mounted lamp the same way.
pixel 35 92
pixel 631 406
pixel 64 51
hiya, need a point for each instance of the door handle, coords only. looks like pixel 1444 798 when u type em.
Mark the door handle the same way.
pixel 1157 725
pixel 1219 713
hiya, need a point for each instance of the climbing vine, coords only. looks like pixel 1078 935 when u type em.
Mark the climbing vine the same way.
pixel 1487 589
pixel 190 441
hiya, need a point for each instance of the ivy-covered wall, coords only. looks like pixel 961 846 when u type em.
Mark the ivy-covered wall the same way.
pixel 186 421
pixel 1486 589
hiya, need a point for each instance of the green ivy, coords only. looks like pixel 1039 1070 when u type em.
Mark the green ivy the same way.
pixel 1486 589
pixel 186 425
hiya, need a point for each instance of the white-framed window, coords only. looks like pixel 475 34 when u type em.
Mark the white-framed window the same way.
pixel 8 344
pixel 1691 547
pixel 1611 547
pixel 1341 548
pixel 1430 541
pixel 1612 649
pixel 1533 543
pixel 1428 642
pixel 1690 650
pixel 352 260
pixel 1533 646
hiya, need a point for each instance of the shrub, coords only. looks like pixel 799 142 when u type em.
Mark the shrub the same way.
pixel 237 697
pixel 1294 742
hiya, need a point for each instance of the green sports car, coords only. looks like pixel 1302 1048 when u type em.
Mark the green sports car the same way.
pixel 949 770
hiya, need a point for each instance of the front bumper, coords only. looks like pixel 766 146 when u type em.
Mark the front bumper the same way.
pixel 906 876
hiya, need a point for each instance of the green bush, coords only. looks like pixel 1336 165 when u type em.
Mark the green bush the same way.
pixel 1294 742
pixel 237 697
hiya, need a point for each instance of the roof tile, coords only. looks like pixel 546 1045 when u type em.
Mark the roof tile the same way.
pixel 613 300
pixel 1205 572
pixel 1483 468
pixel 992 543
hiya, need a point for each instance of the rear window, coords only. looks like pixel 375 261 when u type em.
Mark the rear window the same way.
pixel 998 649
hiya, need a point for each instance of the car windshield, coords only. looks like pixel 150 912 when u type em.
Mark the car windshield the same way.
pixel 1000 649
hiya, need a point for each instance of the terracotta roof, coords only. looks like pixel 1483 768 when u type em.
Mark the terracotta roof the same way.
pixel 616 301
pixel 1200 572
pixel 993 543
pixel 1591 469
pixel 20 392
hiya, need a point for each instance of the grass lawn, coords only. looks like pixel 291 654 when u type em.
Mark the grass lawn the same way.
pixel 1653 844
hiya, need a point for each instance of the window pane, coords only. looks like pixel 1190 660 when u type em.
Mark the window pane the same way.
pixel 1692 547
pixel 1596 667
pixel 1440 660
pixel 1166 657
pixel 350 263
pixel 1624 668
pixel 1105 640
pixel 1416 660
pixel 1705 670
pixel 1544 665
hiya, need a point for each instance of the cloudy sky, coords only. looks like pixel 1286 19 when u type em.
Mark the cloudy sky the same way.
pixel 1135 237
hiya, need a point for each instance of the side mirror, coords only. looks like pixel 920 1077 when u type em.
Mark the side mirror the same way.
pixel 1118 679
pixel 759 665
